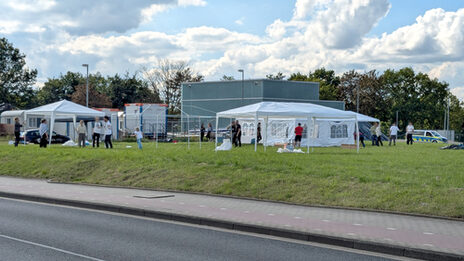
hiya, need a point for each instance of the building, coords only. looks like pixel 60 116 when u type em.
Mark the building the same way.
pixel 207 98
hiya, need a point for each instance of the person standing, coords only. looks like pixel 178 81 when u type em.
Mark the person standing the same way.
pixel 378 133
pixel 409 133
pixel 108 132
pixel 361 138
pixel 210 130
pixel 373 134
pixel 393 134
pixel 97 131
pixel 43 132
pixel 238 134
pixel 139 137
pixel 298 135
pixel 258 134
pixel 81 132
pixel 234 132
pixel 202 132
pixel 17 130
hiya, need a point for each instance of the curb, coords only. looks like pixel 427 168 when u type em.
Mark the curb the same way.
pixel 261 200
pixel 243 227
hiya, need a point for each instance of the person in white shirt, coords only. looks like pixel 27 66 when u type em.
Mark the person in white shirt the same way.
pixel 97 131
pixel 108 132
pixel 409 133
pixel 43 131
pixel 139 137
pixel 378 133
pixel 82 132
pixel 393 134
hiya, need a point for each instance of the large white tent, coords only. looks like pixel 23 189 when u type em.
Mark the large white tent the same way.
pixel 63 110
pixel 278 110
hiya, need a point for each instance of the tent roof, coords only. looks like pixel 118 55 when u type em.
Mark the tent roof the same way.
pixel 65 108
pixel 286 110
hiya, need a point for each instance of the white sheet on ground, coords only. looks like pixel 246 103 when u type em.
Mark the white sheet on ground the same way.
pixel 226 145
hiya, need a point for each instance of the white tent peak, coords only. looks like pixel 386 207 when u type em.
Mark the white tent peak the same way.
pixel 65 108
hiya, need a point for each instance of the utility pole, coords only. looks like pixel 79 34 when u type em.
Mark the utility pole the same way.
pixel 87 86
pixel 243 79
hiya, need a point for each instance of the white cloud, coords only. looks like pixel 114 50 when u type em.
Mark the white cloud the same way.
pixel 240 21
pixel 329 33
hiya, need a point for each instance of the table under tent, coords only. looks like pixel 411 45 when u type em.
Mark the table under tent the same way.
pixel 327 126
pixel 63 111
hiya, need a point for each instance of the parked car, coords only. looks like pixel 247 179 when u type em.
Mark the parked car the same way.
pixel 33 136
pixel 428 136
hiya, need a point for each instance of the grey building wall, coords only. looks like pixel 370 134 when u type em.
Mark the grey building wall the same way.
pixel 207 98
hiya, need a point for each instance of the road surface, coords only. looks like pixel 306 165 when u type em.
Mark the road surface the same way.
pixel 34 231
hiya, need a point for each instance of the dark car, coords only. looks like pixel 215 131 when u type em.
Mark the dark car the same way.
pixel 33 136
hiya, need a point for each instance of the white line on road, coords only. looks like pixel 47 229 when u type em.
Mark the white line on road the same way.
pixel 52 248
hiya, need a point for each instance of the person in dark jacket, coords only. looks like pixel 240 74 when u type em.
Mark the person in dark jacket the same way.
pixel 202 132
pixel 17 130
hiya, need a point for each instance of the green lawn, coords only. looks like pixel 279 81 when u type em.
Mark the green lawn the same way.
pixel 416 179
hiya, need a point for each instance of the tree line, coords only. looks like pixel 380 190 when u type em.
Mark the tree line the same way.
pixel 413 96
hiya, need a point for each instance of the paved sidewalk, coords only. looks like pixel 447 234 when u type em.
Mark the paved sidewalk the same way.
pixel 413 232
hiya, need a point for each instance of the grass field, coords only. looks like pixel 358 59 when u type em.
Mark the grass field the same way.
pixel 415 179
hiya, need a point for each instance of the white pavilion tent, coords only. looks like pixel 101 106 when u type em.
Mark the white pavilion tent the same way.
pixel 62 110
pixel 278 110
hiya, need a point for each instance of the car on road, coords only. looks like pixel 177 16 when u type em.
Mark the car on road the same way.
pixel 428 136
pixel 33 136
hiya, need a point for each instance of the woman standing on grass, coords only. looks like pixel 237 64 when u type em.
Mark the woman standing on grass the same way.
pixel 210 130
pixel 108 132
pixel 82 132
pixel 97 130
pixel 43 130
pixel 378 133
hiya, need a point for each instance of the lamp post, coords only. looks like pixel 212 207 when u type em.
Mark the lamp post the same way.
pixel 243 73
pixel 87 86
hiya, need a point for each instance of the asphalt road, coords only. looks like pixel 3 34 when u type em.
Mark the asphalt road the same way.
pixel 32 231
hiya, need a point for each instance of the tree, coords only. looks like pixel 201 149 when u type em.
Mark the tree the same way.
pixel 96 99
pixel 61 88
pixel 279 76
pixel 328 82
pixel 227 78
pixel 167 78
pixel 16 79
pixel 130 89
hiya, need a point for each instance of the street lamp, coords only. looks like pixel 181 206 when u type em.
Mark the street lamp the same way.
pixel 243 74
pixel 87 86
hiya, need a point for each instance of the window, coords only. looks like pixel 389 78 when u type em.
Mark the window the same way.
pixel 8 121
pixel 339 131
pixel 429 134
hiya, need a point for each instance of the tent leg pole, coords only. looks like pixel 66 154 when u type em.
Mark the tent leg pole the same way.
pixel 199 122
pixel 357 134
pixel 52 123
pixel 256 132
pixel 307 135
pixel 314 129
pixel 266 120
pixel 216 136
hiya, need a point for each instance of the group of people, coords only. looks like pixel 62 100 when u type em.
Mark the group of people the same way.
pixel 100 130
pixel 376 134
pixel 208 131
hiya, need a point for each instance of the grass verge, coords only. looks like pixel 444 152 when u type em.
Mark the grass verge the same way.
pixel 415 179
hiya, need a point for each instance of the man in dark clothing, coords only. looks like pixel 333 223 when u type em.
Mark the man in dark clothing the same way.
pixel 259 132
pixel 238 134
pixel 17 130
pixel 234 132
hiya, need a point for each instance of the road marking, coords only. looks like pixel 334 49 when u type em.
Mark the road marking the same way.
pixel 428 245
pixel 357 224
pixel 270 214
pixel 202 206
pixel 297 217
pixel 428 233
pixel 351 234
pixel 50 247
pixel 326 220
pixel 391 228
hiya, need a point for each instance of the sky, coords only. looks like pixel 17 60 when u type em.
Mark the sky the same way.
pixel 218 37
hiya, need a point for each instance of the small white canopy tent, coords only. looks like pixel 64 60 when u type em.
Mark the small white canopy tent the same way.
pixel 63 110
pixel 267 110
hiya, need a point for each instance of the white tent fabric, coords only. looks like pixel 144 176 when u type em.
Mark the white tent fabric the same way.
pixel 62 110
pixel 275 110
